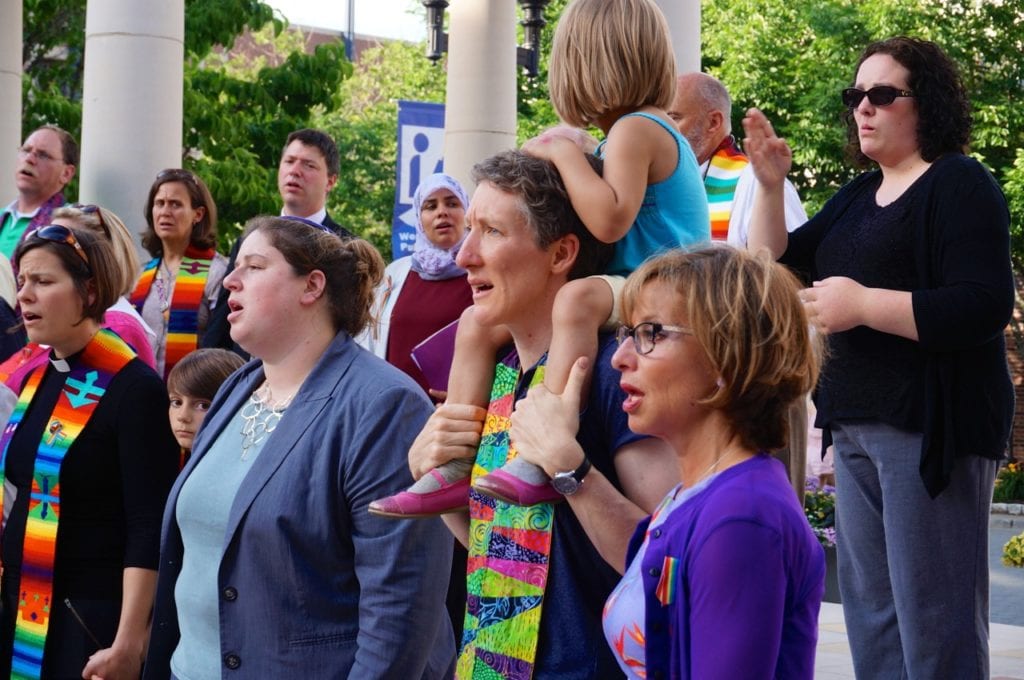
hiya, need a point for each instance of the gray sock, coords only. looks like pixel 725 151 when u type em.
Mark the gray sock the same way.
pixel 451 471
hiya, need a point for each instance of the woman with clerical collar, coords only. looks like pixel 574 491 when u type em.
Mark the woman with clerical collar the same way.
pixel 86 460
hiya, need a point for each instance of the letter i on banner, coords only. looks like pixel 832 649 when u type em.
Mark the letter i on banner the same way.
pixel 420 153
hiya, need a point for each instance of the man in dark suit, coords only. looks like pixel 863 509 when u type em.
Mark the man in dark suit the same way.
pixel 307 172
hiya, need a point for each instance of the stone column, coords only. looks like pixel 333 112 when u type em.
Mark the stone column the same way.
pixel 684 23
pixel 480 101
pixel 132 101
pixel 10 95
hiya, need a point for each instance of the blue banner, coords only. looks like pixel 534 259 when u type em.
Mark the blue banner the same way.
pixel 420 153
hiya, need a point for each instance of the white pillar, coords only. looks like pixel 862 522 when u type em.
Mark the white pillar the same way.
pixel 10 95
pixel 684 23
pixel 132 101
pixel 480 101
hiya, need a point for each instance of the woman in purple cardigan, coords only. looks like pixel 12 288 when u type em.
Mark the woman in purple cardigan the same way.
pixel 725 579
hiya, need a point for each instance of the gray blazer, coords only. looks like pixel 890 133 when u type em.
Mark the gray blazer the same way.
pixel 312 585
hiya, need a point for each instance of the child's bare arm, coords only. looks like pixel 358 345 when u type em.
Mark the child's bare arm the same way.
pixel 608 205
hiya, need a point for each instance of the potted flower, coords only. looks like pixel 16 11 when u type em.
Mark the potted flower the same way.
pixel 820 509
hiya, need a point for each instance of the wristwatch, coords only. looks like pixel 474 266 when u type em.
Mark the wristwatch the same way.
pixel 568 483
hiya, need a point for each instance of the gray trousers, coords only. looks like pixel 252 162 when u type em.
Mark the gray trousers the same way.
pixel 913 570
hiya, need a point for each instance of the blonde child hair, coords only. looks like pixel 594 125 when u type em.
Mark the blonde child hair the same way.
pixel 603 59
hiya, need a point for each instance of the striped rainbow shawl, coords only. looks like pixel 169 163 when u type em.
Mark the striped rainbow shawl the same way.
pixel 183 313
pixel 84 386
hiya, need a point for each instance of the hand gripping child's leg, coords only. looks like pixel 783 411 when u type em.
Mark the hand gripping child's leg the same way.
pixel 446 487
pixel 580 308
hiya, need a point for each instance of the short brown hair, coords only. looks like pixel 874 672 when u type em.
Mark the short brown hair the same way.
pixel 744 312
pixel 204 232
pixel 201 372
pixel 352 267
pixel 609 55
pixel 102 269
pixel 544 202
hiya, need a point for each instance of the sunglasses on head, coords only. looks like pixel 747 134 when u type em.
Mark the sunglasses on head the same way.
pixel 90 209
pixel 56 233
pixel 176 175
pixel 880 95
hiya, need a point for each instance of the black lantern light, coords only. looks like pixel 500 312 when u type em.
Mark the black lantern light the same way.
pixel 527 54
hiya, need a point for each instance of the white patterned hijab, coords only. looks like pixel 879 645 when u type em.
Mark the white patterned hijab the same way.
pixel 428 260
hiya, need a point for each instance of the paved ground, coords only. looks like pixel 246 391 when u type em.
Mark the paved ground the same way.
pixel 1006 643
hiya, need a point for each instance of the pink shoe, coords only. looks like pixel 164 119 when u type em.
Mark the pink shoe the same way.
pixel 452 496
pixel 505 487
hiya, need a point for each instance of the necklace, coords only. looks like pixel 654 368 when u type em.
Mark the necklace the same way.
pixel 714 464
pixel 261 417
pixel 164 284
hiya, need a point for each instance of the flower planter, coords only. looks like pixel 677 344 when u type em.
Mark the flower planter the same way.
pixel 831 577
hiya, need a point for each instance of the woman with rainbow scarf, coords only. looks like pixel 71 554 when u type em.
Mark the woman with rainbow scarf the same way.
pixel 86 462
pixel 179 286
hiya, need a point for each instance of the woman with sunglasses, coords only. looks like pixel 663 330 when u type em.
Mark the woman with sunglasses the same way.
pixel 725 579
pixel 86 462
pixel 270 562
pixel 179 286
pixel 122 318
pixel 912 283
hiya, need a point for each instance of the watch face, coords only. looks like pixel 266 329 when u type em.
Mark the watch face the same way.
pixel 565 483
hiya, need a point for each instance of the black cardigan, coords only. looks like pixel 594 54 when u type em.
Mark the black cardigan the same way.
pixel 962 254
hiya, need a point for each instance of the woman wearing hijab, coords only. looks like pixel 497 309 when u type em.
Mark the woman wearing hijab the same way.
pixel 423 292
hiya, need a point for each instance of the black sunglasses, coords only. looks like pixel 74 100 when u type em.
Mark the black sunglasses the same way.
pixel 56 233
pixel 90 209
pixel 880 95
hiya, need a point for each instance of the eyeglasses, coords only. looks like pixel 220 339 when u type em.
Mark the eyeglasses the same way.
pixel 90 209
pixel 25 152
pixel 646 335
pixel 56 233
pixel 880 95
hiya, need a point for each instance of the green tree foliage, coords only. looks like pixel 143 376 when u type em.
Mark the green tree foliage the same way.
pixel 365 127
pixel 791 60
pixel 236 117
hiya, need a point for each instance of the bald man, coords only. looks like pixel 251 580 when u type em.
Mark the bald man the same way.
pixel 702 111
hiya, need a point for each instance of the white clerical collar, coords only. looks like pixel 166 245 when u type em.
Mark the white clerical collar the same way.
pixel 319 216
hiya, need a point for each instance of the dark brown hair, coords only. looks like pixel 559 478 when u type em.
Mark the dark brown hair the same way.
pixel 200 373
pixel 204 232
pixel 943 110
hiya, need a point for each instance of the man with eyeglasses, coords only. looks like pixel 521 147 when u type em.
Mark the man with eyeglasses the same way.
pixel 702 112
pixel 538 576
pixel 46 163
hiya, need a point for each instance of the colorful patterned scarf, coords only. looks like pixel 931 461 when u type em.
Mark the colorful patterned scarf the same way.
pixel 183 313
pixel 720 180
pixel 102 358
pixel 509 548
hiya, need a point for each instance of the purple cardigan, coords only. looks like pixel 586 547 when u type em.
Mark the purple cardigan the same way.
pixel 749 577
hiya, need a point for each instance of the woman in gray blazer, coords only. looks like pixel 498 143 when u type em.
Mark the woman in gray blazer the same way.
pixel 270 564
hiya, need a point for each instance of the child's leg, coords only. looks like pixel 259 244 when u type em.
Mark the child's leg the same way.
pixel 446 487
pixel 473 364
pixel 581 308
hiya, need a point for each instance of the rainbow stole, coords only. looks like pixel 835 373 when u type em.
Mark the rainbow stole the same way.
pixel 720 182
pixel 103 357
pixel 509 547
pixel 189 288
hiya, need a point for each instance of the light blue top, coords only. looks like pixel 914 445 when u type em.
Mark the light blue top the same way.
pixel 674 212
pixel 202 512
